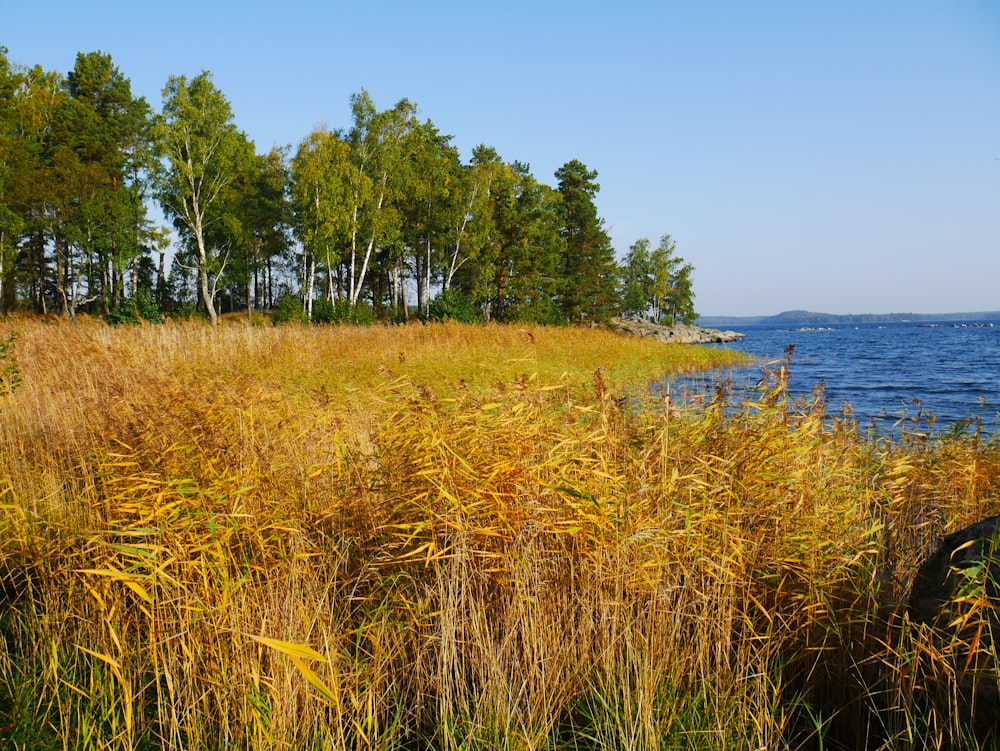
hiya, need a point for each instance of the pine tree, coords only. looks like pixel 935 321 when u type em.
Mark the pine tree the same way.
pixel 589 269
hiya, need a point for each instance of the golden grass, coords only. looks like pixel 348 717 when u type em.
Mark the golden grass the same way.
pixel 451 537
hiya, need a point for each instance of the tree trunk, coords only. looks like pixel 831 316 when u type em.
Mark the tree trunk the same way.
pixel 424 281
pixel 3 276
pixel 60 246
pixel 404 303
pixel 309 288
pixel 207 294
pixel 161 280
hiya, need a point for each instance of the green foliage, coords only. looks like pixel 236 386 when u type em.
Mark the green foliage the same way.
pixel 342 312
pixel 681 298
pixel 147 307
pixel 451 305
pixel 658 283
pixel 204 154
pixel 323 311
pixel 543 311
pixel 358 314
pixel 589 270
pixel 184 311
pixel 10 371
pixel 636 277
pixel 380 206
pixel 289 310
pixel 124 314
pixel 133 310
pixel 399 315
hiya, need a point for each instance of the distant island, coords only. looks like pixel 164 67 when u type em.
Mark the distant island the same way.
pixel 807 318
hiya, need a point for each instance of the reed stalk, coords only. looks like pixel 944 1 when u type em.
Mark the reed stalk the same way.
pixel 456 537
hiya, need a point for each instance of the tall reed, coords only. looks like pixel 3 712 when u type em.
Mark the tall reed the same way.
pixel 455 537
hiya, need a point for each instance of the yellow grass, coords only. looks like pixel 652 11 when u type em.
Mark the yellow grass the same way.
pixel 451 537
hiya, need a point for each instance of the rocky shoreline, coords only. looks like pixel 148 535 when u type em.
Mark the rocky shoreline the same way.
pixel 674 334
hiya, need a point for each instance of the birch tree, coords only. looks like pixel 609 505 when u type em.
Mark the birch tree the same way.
pixel 377 141
pixel 658 283
pixel 636 278
pixel 199 143
pixel 321 174
pixel 474 220
pixel 663 266
pixel 428 204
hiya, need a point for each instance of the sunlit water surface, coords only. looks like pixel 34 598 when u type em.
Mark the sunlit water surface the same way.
pixel 883 372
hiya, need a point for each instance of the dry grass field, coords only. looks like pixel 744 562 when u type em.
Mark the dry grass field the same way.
pixel 456 537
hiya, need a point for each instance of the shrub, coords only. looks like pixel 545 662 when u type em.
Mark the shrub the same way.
pixel 323 311
pixel 185 311
pixel 452 305
pixel 342 312
pixel 399 315
pixel 133 310
pixel 360 314
pixel 289 310
pixel 10 371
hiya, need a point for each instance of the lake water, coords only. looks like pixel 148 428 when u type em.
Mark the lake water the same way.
pixel 890 370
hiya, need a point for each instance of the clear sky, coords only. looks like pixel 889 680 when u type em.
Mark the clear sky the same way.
pixel 841 157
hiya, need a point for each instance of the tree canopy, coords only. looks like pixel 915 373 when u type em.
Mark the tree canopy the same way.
pixel 656 283
pixel 382 214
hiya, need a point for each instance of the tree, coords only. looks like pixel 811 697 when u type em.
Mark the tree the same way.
pixel 473 219
pixel 428 202
pixel 11 154
pixel 378 147
pixel 321 190
pixel 35 191
pixel 201 147
pixel 269 218
pixel 112 142
pixel 589 269
pixel 527 248
pixel 657 282
pixel 637 279
pixel 680 301
pixel 663 267
pixel 505 254
pixel 75 155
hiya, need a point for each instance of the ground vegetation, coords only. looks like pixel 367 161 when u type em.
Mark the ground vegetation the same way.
pixel 457 536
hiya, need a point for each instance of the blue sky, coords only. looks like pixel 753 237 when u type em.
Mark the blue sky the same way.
pixel 839 157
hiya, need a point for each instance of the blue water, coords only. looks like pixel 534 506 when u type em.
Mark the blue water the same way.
pixel 889 371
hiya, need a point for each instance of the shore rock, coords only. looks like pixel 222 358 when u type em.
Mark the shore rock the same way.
pixel 674 334
pixel 939 577
pixel 957 592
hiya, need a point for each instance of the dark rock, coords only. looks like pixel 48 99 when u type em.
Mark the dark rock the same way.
pixel 955 592
pixel 958 558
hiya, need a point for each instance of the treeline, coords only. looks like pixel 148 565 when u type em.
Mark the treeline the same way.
pixel 378 220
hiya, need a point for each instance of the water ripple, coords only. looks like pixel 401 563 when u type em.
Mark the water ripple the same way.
pixel 884 371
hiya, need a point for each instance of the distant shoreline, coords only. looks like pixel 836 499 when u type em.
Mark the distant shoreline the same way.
pixel 808 318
